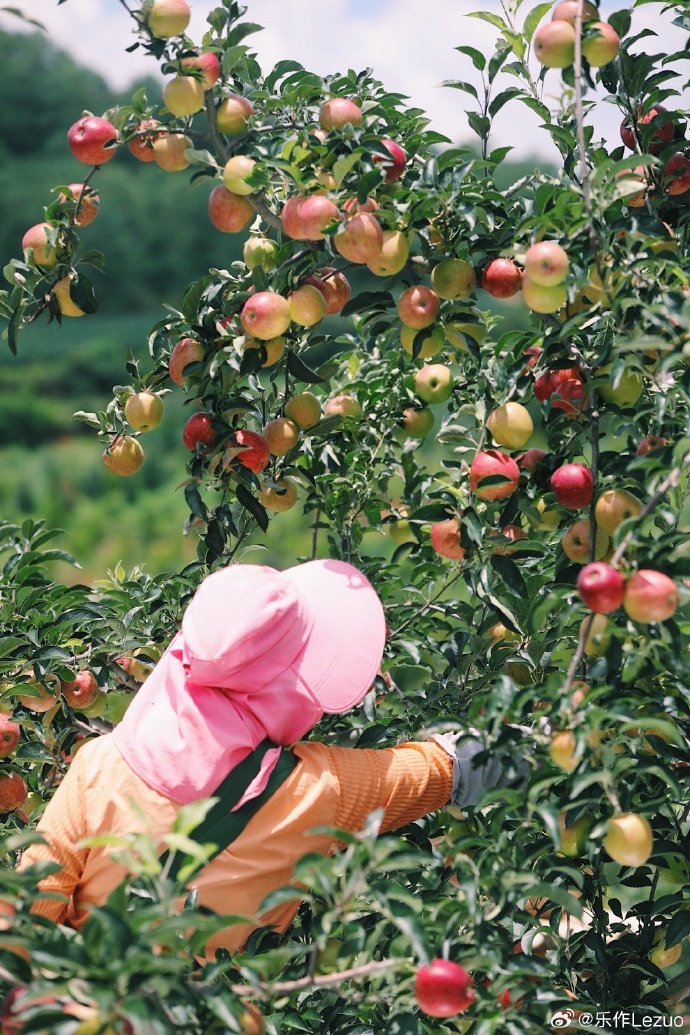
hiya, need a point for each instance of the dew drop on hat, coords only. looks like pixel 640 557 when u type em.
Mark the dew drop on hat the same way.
pixel 260 653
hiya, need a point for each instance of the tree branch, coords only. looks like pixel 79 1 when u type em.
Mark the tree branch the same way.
pixel 319 981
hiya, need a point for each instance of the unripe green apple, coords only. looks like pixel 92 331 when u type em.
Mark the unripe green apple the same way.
pixel 235 174
pixel 542 299
pixel 168 18
pixel 183 95
pixel 433 340
pixel 304 410
pixel 453 279
pixel 169 151
pixel 275 348
pixel 433 383
pixel 260 253
pixel 598 637
pixel 307 306
pixel 626 392
pixel 548 520
pixel 400 531
pixel 600 43
pixel 510 425
pixel 144 411
pixel 393 255
pixel 458 331
pixel 629 839
pixel 575 542
pixel 573 836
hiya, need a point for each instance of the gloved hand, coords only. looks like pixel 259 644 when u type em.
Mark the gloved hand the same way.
pixel 471 780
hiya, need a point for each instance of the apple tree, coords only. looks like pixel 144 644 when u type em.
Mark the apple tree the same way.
pixel 479 395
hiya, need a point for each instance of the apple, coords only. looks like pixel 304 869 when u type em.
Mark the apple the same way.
pixel 306 305
pixel 546 263
pixel 334 286
pixel 662 135
pixel 489 464
pixel 395 165
pixel 626 392
pixel 304 218
pixel 633 186
pixel 280 435
pixel 124 456
pixel 84 203
pixel 432 341
pixel 445 539
pixel 235 173
pixel 141 144
pixel 649 443
pixel 650 596
pixel 44 693
pixel 266 315
pixel 600 43
pixel 417 423
pixel 359 239
pixel 601 587
pixel 144 411
pixel 9 736
pixel 615 506
pixel 339 112
pixel 554 44
pixel 251 1020
pixel 443 988
pixel 63 297
pixel 418 307
pixel 501 278
pixel 13 792
pixel 229 212
pixel 169 151
pixel 567 9
pixel 510 425
pixel 530 459
pixel 393 256
pixel 304 410
pixel 500 633
pixel 92 140
pixel 82 691
pixel 233 113
pixel 35 240
pixel 208 64
pixel 342 405
pixel 260 253
pixel 629 839
pixel 275 349
pixel 183 95
pixel 453 279
pixel 599 635
pixel 544 299
pixel 353 206
pixel 562 750
pixel 198 431
pixel 550 382
pixel 575 542
pixel 168 18
pixel 186 351
pixel 255 455
pixel 675 176
pixel 548 520
pixel 662 957
pixel 573 485
pixel 519 672
pixel 433 383
pixel 573 836
pixel 459 331
pixel 400 531
pixel 280 498
pixel 511 532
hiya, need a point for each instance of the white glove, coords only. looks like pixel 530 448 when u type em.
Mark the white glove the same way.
pixel 471 780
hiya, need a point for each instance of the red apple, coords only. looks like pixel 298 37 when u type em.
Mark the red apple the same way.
pixel 554 44
pixel 649 443
pixel 186 351
pixel 92 140
pixel 353 206
pixel 445 539
pixel 443 988
pixel 359 239
pixel 265 315
pixel 208 64
pixel 9 736
pixel 546 263
pixel 573 485
pixel 82 691
pixel 229 212
pixel 534 352
pixel 502 278
pixel 575 542
pixel 395 165
pixel 198 431
pixel 567 9
pixel 675 176
pixel 418 307
pixel 333 285
pixel 304 218
pixel 13 792
pixel 35 240
pixel 663 134
pixel 304 410
pixel 233 113
pixel 488 464
pixel 84 203
pixel 141 145
pixel 169 151
pixel 511 532
pixel 124 456
pixel 529 459
pixel 339 112
pixel 255 456
pixel 601 587
pixel 650 596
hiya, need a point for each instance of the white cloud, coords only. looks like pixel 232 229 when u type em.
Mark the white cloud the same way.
pixel 410 52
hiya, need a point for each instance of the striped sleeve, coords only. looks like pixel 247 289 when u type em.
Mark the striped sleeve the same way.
pixel 407 781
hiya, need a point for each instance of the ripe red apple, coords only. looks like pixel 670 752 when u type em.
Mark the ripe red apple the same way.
pixel 168 18
pixel 629 839
pixel 395 165
pixel 554 44
pixel 141 145
pixel 233 113
pixel 675 176
pixel 92 140
pixel 339 112
pixel 307 306
pixel 530 459
pixel 510 532
pixel 229 212
pixel 82 691
pixel 304 218
pixel 36 241
pixel 663 133
pixel 443 988
pixel 567 9
pixel 9 736
pixel 393 256
pixel 13 792
pixel 542 299
pixel 198 431
pixel 433 383
pixel 333 285
pixel 186 351
pixel 84 203
pixel 601 587
pixel 573 485
pixel 445 539
pixel 534 352
pixel 502 278
pixel 343 405
pixel 546 263
pixel 600 43
pixel 453 279
pixel 491 463
pixel 208 63
pixel 255 455
pixel 304 410
pixel 649 443
pixel 124 456
pixel 359 239
pixel 280 498
pixel 280 435
pixel 650 596
pixel 575 542
pixel 169 151
pixel 265 315
pixel 252 1020
pixel 417 423
pixel 418 307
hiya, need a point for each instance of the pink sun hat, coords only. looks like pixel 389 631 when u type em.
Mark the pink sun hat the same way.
pixel 261 653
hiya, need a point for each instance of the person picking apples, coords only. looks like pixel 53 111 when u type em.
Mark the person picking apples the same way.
pixel 261 656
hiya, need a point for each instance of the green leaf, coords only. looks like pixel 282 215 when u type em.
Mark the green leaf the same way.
pixel 492 19
pixel 251 504
pixel 533 19
pixel 476 57
pixel 510 573
pixel 299 369
pixel 678 928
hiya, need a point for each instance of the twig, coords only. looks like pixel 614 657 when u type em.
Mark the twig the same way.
pixel 318 981
pixel 216 140
pixel 677 989
pixel 432 600
pixel 260 206
pixel 669 482
pixel 580 119
pixel 315 533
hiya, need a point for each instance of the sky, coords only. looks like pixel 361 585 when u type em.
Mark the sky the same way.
pixel 410 51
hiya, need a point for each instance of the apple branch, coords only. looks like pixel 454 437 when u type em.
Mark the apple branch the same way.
pixel 318 981
pixel 669 482
pixel 580 118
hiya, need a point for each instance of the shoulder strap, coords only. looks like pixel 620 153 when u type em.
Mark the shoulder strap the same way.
pixel 221 826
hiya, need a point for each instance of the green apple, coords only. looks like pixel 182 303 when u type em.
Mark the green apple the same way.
pixel 626 392
pixel 237 170
pixel 433 383
pixel 453 279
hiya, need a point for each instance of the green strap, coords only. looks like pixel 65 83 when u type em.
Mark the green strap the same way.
pixel 221 825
